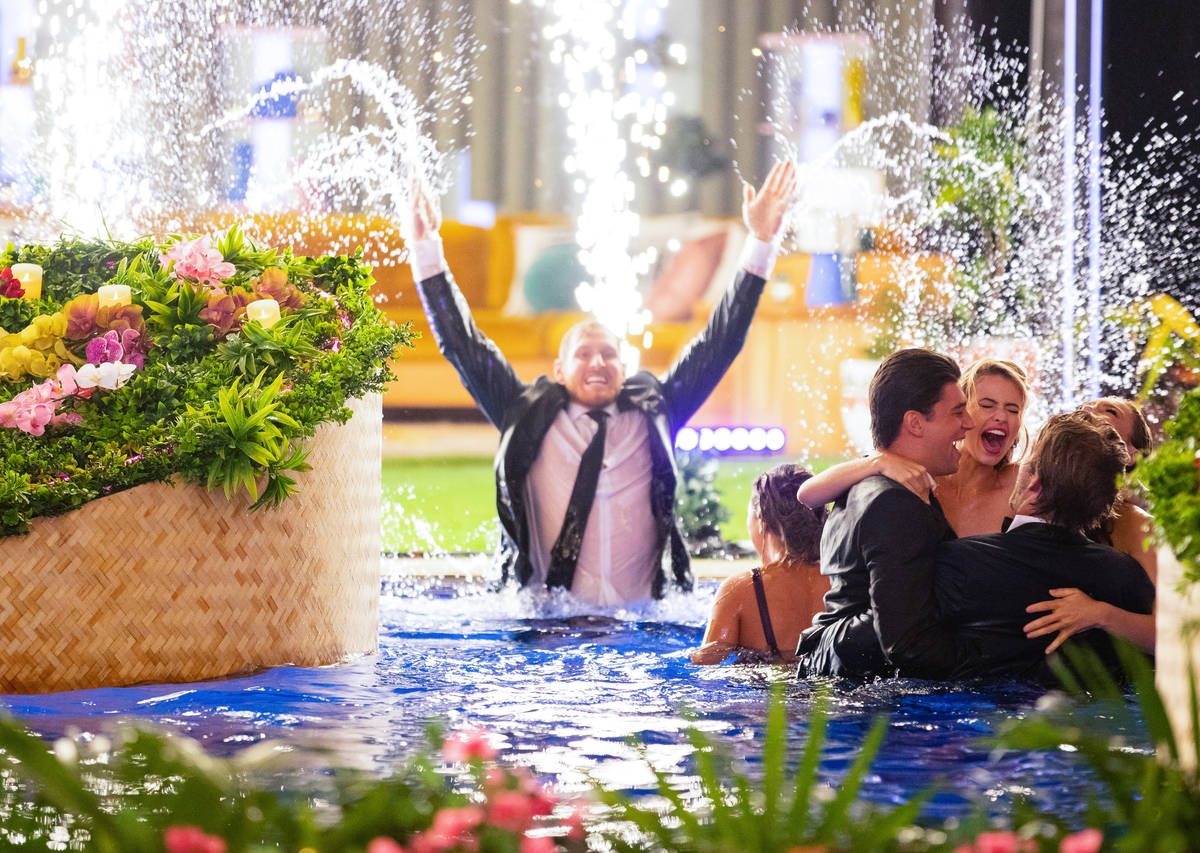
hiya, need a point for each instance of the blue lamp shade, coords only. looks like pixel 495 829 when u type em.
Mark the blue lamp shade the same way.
pixel 830 280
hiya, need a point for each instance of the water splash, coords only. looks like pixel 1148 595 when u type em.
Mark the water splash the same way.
pixel 595 45
pixel 986 192
pixel 137 123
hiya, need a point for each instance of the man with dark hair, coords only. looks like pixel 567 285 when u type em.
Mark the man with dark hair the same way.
pixel 585 471
pixel 984 585
pixel 878 544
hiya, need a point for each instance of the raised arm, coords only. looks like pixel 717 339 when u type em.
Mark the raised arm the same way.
pixel 705 359
pixel 824 487
pixel 482 368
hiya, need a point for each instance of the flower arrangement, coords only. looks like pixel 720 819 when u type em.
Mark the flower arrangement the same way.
pixel 175 380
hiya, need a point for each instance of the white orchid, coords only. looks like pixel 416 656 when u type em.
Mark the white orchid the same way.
pixel 109 376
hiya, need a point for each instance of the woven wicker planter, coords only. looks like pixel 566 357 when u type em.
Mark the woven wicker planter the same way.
pixel 1177 649
pixel 164 584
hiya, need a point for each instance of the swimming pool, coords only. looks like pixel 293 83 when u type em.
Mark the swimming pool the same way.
pixel 568 689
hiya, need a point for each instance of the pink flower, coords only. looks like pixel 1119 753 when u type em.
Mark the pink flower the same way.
pixel 196 259
pixel 580 811
pixel 998 842
pixel 511 810
pixel 383 844
pixel 191 839
pixel 467 744
pixel 451 828
pixel 1087 841
pixel 541 844
pixel 105 348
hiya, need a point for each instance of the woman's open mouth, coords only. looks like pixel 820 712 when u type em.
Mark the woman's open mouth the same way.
pixel 993 440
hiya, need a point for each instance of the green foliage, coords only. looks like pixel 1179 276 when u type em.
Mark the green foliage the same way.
pixel 1172 478
pixel 257 349
pixel 246 437
pixel 121 800
pixel 786 808
pixel 73 266
pixel 972 209
pixel 234 414
pixel 698 503
pixel 1148 800
pixel 16 314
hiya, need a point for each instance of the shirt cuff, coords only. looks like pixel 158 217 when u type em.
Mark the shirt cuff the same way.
pixel 426 258
pixel 758 257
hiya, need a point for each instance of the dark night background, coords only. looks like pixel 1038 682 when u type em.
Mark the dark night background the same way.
pixel 1151 53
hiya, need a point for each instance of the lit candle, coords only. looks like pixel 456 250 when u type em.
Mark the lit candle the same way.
pixel 114 294
pixel 265 311
pixel 30 276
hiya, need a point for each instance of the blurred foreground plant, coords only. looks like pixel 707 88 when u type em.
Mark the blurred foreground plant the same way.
pixel 152 792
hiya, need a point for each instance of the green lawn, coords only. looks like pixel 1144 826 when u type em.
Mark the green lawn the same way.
pixel 448 503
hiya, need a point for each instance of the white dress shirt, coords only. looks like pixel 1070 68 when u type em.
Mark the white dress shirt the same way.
pixel 616 562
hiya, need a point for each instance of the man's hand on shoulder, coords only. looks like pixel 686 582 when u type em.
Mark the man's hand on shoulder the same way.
pixel 764 211
pixel 907 473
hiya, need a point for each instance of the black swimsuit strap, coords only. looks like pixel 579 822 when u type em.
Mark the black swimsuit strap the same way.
pixel 760 593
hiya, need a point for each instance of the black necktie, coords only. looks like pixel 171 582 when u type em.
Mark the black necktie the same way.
pixel 565 553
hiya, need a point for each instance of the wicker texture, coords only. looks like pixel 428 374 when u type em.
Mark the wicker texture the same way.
pixel 167 584
pixel 1177 650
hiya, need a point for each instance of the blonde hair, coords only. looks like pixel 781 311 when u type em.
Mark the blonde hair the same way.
pixel 1009 370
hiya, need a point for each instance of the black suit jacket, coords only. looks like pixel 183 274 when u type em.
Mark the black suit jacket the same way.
pixel 984 583
pixel 879 619
pixel 523 412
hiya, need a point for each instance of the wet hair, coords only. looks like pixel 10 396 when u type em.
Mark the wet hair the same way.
pixel 1009 370
pixel 908 380
pixel 1077 457
pixel 773 501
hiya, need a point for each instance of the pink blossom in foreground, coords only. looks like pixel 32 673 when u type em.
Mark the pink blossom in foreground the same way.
pixel 467 744
pixel 191 839
pixel 196 259
pixel 383 844
pixel 997 842
pixel 1087 841
pixel 452 828
pixel 511 810
pixel 575 820
pixel 541 844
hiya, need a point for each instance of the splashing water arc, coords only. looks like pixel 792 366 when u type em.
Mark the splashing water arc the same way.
pixel 135 124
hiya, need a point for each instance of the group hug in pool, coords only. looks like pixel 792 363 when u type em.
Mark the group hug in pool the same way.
pixel 961 548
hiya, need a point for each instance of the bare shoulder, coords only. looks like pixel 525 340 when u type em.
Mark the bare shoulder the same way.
pixel 735 586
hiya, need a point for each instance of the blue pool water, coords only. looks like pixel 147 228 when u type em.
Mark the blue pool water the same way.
pixel 567 689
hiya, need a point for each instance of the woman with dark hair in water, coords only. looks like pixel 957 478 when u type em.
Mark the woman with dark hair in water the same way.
pixel 759 614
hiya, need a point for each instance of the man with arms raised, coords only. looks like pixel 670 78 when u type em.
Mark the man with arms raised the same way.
pixel 878 545
pixel 985 584
pixel 585 471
